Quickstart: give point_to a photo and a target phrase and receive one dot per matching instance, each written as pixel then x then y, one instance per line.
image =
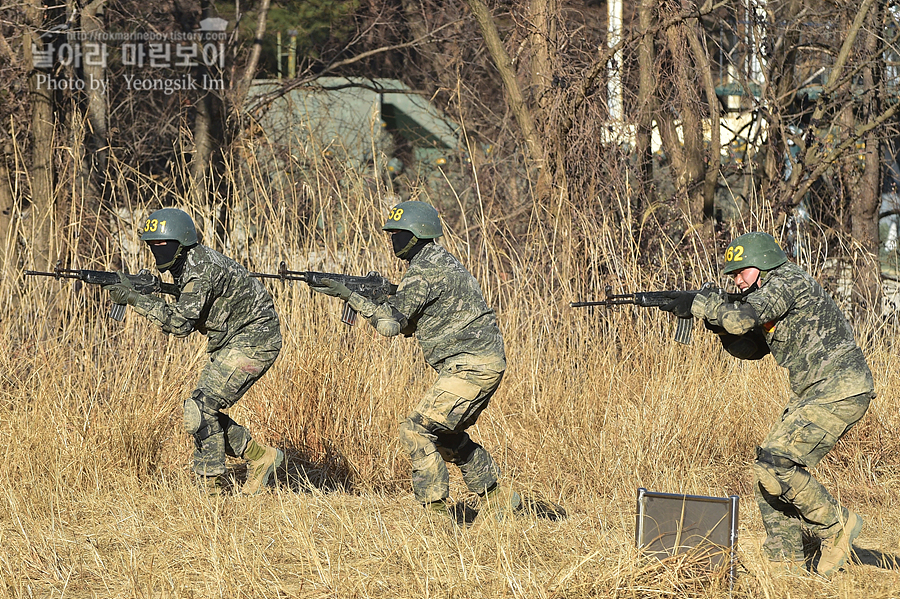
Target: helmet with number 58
pixel 418 218
pixel 757 250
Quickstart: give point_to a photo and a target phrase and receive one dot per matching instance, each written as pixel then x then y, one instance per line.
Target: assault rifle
pixel 143 282
pixel 373 285
pixel 655 299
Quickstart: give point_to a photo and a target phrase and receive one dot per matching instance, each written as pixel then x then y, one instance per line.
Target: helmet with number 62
pixel 418 218
pixel 757 250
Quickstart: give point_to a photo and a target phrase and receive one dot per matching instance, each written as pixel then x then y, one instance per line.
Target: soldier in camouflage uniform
pixel 222 301
pixel 831 389
pixel 440 302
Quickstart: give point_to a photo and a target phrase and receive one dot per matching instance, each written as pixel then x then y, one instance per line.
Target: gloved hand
pixel 332 288
pixel 122 292
pixel 706 304
pixel 680 304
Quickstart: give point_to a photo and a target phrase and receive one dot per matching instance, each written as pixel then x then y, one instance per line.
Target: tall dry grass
pixel 96 497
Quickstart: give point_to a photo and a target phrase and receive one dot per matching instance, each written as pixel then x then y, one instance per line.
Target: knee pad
pixel 415 440
pixel 200 420
pixel 767 479
pixel 774 472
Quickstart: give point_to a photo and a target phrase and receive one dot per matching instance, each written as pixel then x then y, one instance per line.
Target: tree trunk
pixel 94 165
pixel 865 205
pixel 533 146
pixel 646 100
pixel 705 198
pixel 43 247
pixel 8 213
pixel 253 62
pixel 690 169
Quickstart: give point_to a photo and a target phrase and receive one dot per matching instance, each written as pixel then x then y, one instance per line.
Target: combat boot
pixel 790 567
pixel 440 516
pixel 212 487
pixel 501 503
pixel 262 463
pixel 836 550
pixel 439 508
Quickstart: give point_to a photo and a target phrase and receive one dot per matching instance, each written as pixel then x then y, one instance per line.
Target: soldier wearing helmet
pixel 831 388
pixel 441 303
pixel 221 300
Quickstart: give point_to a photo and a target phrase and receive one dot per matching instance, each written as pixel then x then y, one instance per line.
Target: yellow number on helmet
pixel 396 214
pixel 729 254
pixel 738 253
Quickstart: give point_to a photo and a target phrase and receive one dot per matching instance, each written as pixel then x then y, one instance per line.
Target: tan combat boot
pixel 262 463
pixel 836 550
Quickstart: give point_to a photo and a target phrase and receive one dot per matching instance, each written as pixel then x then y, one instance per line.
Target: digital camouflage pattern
pixel 440 302
pixel 806 332
pixel 225 379
pixel 831 389
pixel 221 300
pixel 434 432
pixel 805 435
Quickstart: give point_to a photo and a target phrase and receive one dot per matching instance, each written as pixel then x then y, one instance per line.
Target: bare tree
pixel 43 192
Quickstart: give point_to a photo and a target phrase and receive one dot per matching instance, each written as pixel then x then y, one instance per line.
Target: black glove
pixel 680 304
pixel 749 346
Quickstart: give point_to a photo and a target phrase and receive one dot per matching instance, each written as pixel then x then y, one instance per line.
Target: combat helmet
pixel 757 250
pixel 170 224
pixel 418 218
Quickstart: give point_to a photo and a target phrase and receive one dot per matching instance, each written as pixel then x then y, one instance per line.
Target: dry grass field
pixel 97 500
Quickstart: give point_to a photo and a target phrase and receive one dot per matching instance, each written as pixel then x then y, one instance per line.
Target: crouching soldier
pixel 440 302
pixel 786 309
pixel 222 301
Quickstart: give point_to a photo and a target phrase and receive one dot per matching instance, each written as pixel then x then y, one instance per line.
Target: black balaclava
pixel 406 245
pixel 169 256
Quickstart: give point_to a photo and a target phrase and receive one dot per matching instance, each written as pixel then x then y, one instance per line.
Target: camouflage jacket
pixel 441 302
pixel 806 332
pixel 220 300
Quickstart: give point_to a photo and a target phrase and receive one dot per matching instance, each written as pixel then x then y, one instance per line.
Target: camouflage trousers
pixel 434 433
pixel 227 376
pixel 788 496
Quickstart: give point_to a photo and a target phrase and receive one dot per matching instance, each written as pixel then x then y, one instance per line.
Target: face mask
pixel 402 242
pixel 166 254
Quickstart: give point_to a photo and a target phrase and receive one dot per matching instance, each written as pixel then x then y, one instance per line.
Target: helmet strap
pixel 166 254
pixel 403 241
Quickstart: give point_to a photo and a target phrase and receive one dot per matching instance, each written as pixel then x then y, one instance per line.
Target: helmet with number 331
pixel 170 224
pixel 757 250
pixel 418 218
